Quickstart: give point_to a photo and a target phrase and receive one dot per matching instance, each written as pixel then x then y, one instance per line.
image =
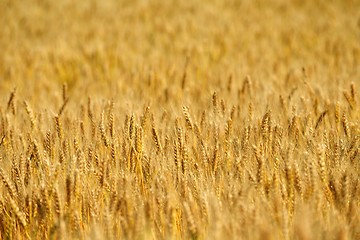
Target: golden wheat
pixel 165 120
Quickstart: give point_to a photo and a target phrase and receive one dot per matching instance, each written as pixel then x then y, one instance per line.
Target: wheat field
pixel 151 119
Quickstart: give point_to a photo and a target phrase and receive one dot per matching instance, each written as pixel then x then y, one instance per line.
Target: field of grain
pixel 153 119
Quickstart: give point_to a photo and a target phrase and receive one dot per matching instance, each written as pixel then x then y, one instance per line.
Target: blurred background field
pixel 120 43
